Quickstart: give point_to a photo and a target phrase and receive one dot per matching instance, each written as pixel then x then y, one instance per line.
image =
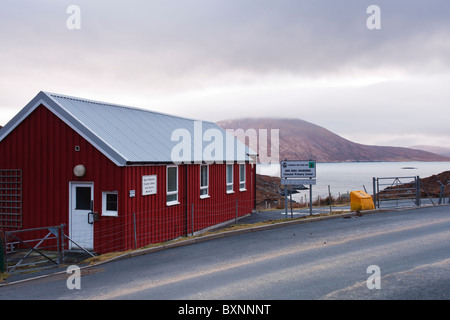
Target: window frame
pixel 109 213
pixel 242 183
pixel 206 187
pixel 229 184
pixel 175 192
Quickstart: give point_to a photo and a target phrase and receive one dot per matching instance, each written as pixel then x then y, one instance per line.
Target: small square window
pixel 110 203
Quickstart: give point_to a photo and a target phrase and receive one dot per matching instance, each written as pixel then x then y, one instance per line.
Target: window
pixel 230 178
pixel 110 203
pixel 83 198
pixel 172 185
pixel 204 181
pixel 242 177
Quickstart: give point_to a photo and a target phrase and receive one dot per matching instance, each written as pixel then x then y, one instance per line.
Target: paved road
pixel 321 260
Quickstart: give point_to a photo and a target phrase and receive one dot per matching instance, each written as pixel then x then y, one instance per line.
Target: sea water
pixel 344 177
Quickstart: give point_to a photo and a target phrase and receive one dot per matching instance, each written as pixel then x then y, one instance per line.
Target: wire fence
pixel 140 228
pixel 131 230
pixel 386 192
pixel 136 229
pixel 164 224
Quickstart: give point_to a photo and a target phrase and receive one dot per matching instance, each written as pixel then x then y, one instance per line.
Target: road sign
pixel 298 169
pixel 295 182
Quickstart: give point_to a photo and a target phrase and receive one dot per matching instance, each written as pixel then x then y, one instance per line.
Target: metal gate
pixel 33 254
pixel 396 191
pixel 28 249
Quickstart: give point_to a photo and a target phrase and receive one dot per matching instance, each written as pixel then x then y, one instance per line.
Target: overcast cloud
pixel 218 59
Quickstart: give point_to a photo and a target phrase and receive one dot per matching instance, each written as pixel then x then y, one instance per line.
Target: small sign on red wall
pixel 148 185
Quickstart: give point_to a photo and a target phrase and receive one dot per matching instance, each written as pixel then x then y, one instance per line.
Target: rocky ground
pixel 268 191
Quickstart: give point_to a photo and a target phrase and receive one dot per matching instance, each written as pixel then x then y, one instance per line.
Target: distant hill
pixel 302 140
pixel 434 149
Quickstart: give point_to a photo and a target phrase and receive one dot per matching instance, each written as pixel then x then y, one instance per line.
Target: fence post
pixel 58 248
pixel 374 194
pixel 290 199
pixel 192 218
pixel 2 252
pixel 329 196
pixel 286 201
pixel 441 193
pixel 378 193
pixel 134 225
pixel 61 240
pixel 418 191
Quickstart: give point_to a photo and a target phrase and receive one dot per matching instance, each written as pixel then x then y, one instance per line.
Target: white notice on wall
pixel 148 185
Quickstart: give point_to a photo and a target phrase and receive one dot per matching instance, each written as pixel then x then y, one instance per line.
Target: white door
pixel 81 229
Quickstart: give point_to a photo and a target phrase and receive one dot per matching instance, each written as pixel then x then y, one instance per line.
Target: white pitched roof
pixel 128 135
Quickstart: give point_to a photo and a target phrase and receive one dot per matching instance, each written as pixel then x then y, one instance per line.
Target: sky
pixel 317 60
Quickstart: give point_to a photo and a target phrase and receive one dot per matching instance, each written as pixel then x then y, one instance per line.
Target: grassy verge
pixel 3 277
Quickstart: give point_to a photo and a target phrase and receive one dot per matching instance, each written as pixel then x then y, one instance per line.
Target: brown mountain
pixel 302 140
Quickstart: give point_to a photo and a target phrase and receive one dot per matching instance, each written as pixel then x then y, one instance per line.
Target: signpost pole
pixel 329 196
pixel 292 213
pixel 286 201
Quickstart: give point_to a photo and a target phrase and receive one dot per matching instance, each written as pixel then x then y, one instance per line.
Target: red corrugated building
pixel 119 177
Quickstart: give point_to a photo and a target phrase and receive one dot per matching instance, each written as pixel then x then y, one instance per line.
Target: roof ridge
pixel 57 95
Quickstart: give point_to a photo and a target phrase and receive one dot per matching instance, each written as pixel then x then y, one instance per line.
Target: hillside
pixel 268 190
pixel 303 140
pixel 434 149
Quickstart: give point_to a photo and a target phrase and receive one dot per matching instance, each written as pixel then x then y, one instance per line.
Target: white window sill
pixel 242 190
pixel 110 214
pixel 230 191
pixel 205 196
pixel 173 203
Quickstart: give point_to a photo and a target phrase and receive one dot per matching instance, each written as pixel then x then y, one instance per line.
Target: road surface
pixel 389 255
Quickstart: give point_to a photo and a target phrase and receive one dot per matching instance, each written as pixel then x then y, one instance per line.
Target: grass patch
pixel 3 277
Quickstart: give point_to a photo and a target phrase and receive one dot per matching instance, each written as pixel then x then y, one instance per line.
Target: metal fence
pixel 407 191
pixel 396 191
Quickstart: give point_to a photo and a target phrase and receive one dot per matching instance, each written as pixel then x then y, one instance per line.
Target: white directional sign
pixel 295 182
pixel 298 169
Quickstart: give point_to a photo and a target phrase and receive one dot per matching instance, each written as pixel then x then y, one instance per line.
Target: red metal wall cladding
pixel 43 146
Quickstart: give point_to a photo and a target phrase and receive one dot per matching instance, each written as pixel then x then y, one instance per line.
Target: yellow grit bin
pixel 360 200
